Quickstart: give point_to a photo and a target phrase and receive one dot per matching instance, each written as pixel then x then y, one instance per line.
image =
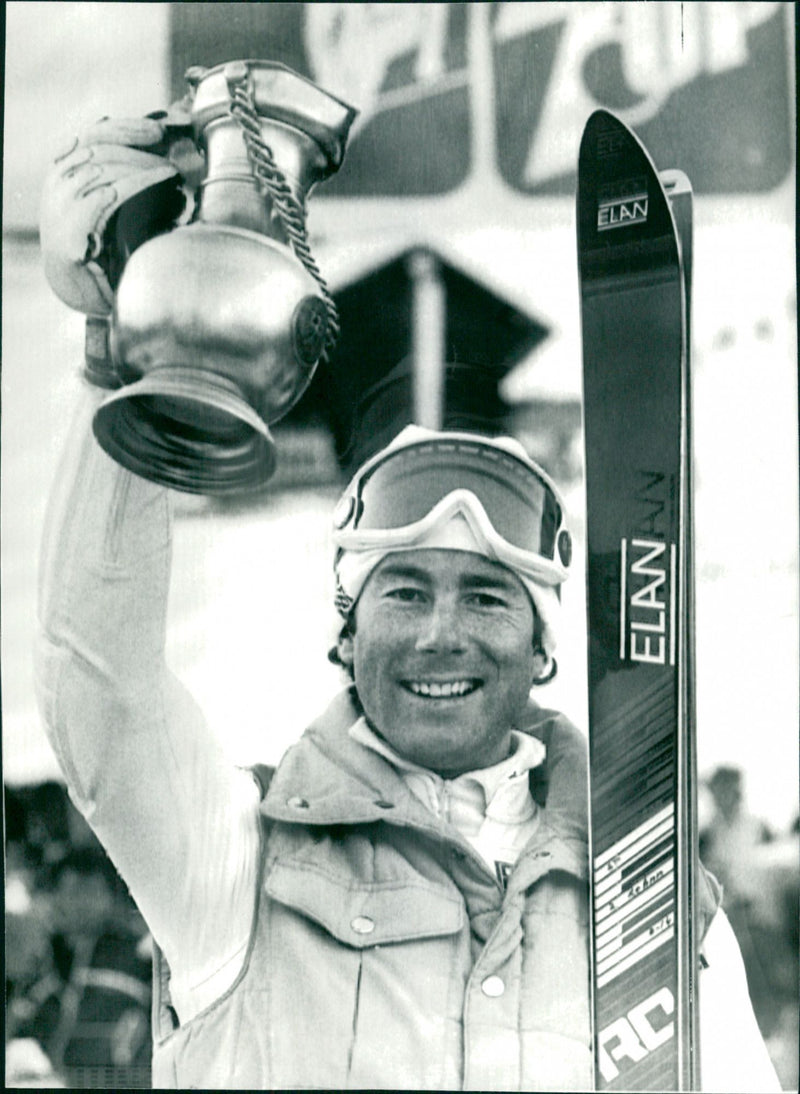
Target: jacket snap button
pixel 362 924
pixel 297 803
pixel 493 986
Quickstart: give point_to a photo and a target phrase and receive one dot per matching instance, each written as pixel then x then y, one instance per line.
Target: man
pixel 404 902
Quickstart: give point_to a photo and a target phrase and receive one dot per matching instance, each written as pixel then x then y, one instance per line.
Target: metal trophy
pixel 218 325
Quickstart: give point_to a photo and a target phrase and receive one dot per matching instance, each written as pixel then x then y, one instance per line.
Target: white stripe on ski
pixel 673 624
pixel 615 885
pixel 609 872
pixel 612 971
pixel 623 595
pixel 632 905
pixel 621 845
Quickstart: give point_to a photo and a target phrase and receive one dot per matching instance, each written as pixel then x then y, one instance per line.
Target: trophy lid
pixel 280 94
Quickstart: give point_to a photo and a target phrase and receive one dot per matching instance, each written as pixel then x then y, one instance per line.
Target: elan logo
pixel 620 213
pixel 647 604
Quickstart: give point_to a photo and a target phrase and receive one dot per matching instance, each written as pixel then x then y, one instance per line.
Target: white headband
pixel 354 567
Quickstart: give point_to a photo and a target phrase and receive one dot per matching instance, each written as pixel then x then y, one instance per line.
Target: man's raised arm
pixel 178 820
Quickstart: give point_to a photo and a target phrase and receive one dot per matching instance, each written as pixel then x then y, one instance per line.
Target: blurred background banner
pixel 452 96
pixel 501 89
pixel 448 242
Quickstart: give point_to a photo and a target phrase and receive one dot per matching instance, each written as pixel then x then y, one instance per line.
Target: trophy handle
pixel 290 210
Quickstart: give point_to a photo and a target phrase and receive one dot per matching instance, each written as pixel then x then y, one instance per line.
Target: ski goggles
pixel 511 505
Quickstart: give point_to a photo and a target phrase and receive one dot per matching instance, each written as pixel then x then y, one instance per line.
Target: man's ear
pixel 544 667
pixel 344 647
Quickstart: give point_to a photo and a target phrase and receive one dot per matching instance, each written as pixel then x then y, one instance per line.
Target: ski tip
pixel 599 123
pixel 604 133
pixel 621 198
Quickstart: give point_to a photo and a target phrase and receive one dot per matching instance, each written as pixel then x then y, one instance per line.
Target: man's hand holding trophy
pixel 207 329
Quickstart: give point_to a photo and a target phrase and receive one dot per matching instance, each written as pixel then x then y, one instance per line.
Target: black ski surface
pixel 634 313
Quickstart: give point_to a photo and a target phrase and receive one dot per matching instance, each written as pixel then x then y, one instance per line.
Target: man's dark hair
pixel 348 629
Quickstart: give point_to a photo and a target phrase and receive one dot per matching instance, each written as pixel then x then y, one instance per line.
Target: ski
pixel 679 192
pixel 634 257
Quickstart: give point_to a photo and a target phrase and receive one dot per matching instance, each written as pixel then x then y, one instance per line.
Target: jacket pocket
pixel 365 913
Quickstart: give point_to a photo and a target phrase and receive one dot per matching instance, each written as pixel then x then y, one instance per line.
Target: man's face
pixel 443 657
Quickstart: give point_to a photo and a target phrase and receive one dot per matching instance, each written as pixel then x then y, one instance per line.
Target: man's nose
pixel 443 627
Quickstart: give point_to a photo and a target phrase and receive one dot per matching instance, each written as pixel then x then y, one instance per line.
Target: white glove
pixel 106 166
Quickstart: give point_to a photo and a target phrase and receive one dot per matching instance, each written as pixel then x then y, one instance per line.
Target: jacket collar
pixel 327 778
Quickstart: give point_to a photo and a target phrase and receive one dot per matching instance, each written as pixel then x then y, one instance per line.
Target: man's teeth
pixel 449 690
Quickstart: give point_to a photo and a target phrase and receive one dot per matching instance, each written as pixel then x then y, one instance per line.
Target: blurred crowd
pixel 78 956
pixel 78 953
pixel 760 873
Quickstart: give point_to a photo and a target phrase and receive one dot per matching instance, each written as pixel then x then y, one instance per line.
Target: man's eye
pixel 406 593
pixel 486 600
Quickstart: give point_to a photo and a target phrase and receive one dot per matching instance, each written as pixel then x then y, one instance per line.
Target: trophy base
pixel 187 429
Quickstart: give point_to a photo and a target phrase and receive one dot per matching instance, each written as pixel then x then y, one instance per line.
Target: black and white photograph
pixel 400 546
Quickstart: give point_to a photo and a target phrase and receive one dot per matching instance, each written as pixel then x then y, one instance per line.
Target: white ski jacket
pixel 186 831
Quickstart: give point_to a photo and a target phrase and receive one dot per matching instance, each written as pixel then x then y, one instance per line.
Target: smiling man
pixel 444 657
pixel 403 903
pixel 393 907
pixel 453 547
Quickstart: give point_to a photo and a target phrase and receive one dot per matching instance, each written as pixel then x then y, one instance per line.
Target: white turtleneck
pixel 492 808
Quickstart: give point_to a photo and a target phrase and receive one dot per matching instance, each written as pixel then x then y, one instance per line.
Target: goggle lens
pixel 409 482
